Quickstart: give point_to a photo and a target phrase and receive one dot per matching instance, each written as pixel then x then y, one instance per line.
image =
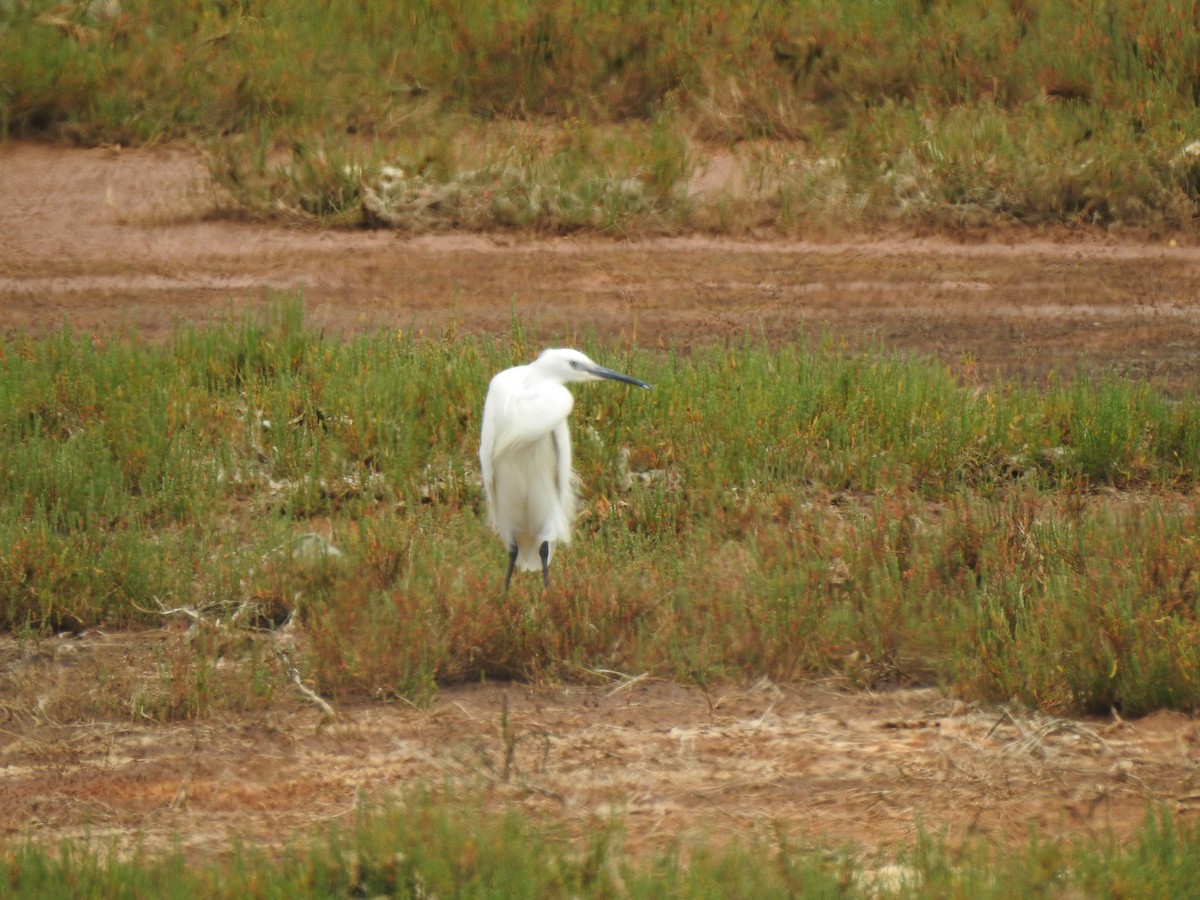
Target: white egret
pixel 525 455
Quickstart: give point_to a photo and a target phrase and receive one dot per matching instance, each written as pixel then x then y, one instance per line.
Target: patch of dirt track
pixel 821 764
pixel 117 241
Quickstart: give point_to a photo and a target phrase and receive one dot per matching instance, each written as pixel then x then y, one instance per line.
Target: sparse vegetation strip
pixel 444 847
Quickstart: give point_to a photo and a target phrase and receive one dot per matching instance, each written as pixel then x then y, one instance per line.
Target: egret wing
pixel 566 478
pixel 526 414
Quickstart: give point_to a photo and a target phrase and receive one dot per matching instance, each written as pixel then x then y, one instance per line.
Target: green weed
pixel 567 116
pixel 776 512
pixel 428 844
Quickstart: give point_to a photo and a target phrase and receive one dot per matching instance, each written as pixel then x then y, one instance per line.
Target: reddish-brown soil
pixel 821 763
pixel 118 241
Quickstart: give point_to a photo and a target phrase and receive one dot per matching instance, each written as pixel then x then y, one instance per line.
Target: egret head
pixel 566 365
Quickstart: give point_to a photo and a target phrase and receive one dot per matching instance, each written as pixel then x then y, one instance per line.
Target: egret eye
pixel 574 364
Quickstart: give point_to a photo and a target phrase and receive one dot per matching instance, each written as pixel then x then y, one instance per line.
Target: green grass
pixel 764 511
pixel 564 116
pixel 447 847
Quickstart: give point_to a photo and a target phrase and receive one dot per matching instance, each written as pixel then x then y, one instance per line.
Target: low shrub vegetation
pixel 765 511
pixel 564 116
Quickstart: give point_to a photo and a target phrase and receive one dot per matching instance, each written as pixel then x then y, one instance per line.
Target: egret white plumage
pixel 525 455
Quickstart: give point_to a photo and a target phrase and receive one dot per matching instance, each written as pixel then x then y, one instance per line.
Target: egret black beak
pixel 617 376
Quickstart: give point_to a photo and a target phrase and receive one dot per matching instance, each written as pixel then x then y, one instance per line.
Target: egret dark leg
pixel 544 553
pixel 512 562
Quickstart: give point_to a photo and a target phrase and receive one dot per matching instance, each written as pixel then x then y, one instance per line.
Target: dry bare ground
pixel 816 761
pixel 116 241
